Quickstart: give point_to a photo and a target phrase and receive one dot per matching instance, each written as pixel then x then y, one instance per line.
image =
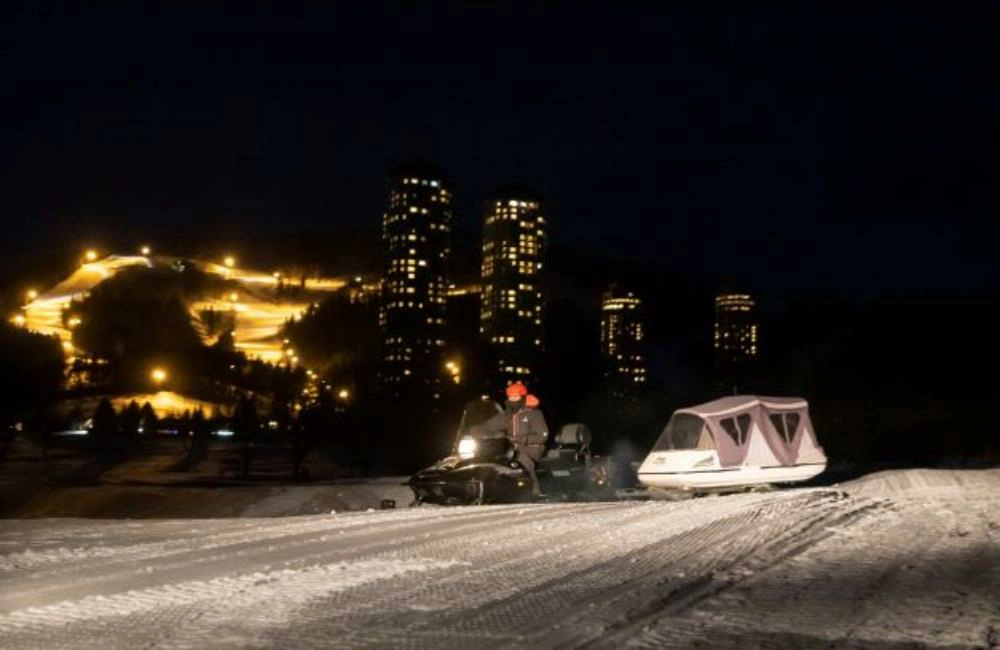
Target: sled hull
pixel 724 477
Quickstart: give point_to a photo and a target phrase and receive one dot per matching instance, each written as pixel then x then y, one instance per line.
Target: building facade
pixel 416 234
pixel 512 305
pixel 735 339
pixel 623 343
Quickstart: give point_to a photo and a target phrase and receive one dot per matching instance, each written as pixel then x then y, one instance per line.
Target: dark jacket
pixel 525 425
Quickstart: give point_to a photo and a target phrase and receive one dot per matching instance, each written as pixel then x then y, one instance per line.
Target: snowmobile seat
pixel 572 442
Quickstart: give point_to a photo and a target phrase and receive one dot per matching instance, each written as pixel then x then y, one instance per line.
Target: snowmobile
pixel 481 468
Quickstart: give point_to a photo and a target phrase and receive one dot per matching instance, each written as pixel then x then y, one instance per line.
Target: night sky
pixel 847 151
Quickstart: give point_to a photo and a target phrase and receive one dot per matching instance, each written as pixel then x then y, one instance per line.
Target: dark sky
pixel 852 151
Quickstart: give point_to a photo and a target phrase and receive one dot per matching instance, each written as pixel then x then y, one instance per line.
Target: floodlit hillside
pixel 258 309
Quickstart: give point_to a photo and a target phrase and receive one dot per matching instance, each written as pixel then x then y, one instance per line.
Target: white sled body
pixel 694 470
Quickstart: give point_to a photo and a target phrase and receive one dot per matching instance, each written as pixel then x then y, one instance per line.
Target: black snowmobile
pixel 481 468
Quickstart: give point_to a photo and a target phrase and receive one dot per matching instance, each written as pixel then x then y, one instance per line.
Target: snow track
pixel 904 559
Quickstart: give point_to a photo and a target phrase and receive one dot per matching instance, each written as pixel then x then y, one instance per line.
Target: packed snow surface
pixel 897 559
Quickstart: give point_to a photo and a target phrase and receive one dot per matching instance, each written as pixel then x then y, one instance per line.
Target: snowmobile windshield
pixel 682 432
pixel 476 414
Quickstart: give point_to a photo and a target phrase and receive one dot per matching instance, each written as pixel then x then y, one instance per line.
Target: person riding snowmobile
pixel 525 425
pixel 534 432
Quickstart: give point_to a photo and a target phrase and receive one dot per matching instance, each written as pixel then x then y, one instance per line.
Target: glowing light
pixel 233 297
pixel 467 447
pixel 31 294
pixel 277 275
pixel 344 394
pixel 74 321
pixel 90 255
pixel 18 320
pixel 158 375
pixel 67 346
pixel 145 250
pixel 229 261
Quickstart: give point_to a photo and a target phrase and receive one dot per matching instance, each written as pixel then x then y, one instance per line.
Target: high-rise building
pixel 416 232
pixel 622 343
pixel 735 337
pixel 512 304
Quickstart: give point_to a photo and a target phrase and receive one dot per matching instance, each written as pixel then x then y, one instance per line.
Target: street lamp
pixel 455 370
pixel 90 255
pixel 158 375
pixel 146 250
pixel 344 394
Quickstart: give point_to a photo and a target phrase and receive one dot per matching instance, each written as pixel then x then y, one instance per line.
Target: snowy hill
pixel 899 559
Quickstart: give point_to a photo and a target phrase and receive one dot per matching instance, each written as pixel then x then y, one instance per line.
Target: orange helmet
pixel 531 401
pixel 516 391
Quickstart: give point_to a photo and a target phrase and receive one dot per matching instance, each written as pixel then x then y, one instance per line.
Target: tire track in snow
pixel 220 600
pixel 131 569
pixel 796 567
pixel 173 615
pixel 700 565
pixel 500 577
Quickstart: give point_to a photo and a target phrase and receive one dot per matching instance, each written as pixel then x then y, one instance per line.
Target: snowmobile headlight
pixel 467 447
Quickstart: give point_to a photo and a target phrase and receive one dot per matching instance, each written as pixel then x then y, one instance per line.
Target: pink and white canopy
pixel 760 431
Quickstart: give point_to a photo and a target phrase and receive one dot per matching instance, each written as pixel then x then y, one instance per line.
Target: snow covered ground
pixel 896 559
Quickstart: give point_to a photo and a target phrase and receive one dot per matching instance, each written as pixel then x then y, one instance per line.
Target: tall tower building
pixel 512 303
pixel 622 343
pixel 735 338
pixel 416 232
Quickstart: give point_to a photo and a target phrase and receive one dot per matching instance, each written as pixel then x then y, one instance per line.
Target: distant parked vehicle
pixel 733 442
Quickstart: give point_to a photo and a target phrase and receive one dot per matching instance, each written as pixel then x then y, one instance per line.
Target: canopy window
pixel 682 432
pixel 738 427
pixel 786 424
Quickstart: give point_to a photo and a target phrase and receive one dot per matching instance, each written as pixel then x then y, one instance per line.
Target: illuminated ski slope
pixel 259 314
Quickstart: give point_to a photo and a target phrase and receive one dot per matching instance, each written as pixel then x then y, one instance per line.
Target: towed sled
pixel 733 443
pixel 482 469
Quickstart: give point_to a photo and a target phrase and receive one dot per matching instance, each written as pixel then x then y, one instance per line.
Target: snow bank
pixel 922 482
pixel 186 502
